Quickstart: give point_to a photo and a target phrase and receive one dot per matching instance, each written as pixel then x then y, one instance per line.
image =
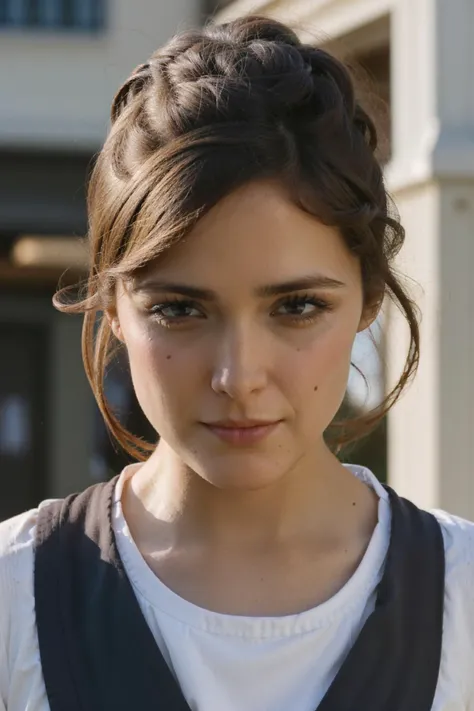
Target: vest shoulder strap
pixel 98 653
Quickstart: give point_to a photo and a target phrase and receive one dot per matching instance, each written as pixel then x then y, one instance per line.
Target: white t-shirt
pixel 234 663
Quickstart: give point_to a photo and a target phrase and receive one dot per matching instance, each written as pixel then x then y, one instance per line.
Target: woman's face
pixel 240 339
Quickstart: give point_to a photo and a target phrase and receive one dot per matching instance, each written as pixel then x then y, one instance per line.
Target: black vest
pixel 98 653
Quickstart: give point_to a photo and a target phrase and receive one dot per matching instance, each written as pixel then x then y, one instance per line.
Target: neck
pixel 318 498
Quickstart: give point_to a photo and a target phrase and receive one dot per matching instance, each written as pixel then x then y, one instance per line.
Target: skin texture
pixel 277 525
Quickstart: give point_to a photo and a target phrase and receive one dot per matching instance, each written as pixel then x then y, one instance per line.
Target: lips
pixel 243 432
pixel 241 424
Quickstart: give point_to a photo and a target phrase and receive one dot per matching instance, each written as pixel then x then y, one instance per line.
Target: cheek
pixel 333 353
pixel 323 370
pixel 151 363
pixel 163 375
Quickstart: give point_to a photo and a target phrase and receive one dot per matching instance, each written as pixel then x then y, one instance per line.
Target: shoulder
pixel 458 536
pixel 17 551
pixel 17 610
pixel 457 659
pixel 17 536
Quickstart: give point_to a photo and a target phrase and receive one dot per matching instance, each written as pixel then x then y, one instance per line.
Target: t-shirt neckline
pixel 155 593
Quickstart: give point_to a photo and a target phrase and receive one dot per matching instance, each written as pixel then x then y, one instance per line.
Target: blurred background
pixel 61 62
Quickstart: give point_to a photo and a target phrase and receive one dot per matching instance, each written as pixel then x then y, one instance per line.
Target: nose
pixel 241 367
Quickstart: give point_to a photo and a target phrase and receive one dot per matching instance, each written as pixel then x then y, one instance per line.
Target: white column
pixel 431 431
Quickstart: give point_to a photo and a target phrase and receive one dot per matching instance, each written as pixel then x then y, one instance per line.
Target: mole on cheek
pixel 315 388
pixel 168 357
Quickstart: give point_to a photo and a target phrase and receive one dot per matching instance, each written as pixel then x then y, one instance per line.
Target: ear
pixel 112 317
pixel 369 315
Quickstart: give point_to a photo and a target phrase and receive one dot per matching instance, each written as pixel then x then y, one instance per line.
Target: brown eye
pixel 301 307
pixel 175 311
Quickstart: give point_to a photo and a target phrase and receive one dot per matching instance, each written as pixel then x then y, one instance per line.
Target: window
pixel 75 15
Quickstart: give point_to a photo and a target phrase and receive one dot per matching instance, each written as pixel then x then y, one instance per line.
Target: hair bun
pixel 253 69
pixel 247 71
pixel 215 81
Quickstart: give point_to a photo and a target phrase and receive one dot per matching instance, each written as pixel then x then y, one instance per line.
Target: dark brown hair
pixel 214 109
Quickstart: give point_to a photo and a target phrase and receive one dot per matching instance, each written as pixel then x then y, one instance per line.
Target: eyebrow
pixel 312 281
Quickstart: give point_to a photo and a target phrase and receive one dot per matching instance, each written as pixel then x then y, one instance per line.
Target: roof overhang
pixel 364 23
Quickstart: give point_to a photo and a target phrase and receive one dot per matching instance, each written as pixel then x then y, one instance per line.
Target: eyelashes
pixel 176 308
pixel 299 304
pixel 297 309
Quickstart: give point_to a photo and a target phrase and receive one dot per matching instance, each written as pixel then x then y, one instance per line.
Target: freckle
pixel 168 357
pixel 315 388
pixel 353 503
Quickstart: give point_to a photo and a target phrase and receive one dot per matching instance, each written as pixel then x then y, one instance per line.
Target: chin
pixel 245 473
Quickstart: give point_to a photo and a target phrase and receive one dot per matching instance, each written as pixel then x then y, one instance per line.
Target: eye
pixel 175 311
pixel 301 308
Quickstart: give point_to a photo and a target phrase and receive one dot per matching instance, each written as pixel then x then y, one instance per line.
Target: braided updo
pixel 214 109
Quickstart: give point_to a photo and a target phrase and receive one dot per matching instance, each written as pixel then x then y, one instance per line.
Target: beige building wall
pixel 56 87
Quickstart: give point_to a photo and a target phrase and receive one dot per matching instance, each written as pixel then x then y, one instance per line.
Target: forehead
pixel 257 235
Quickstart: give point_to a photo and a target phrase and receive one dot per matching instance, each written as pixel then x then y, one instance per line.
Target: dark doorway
pixel 23 416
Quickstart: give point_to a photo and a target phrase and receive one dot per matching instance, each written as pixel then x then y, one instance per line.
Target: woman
pixel 240 239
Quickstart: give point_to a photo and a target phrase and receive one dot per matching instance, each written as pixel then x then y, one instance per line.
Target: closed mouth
pixel 241 424
pixel 244 433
